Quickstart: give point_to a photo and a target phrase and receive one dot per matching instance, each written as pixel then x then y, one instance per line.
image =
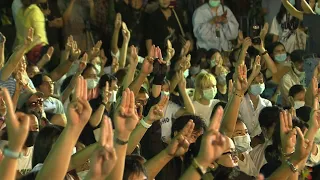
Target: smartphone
pixel 255 34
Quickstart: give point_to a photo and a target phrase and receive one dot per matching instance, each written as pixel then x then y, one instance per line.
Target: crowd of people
pixel 160 89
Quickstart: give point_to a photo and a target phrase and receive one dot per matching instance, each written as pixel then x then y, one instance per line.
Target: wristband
pixel 8 153
pixel 264 53
pixel 287 154
pixel 292 167
pixel 103 103
pixel 145 124
pixel 198 167
pixel 120 142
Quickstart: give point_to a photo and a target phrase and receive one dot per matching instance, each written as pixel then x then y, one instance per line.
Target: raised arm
pixel 233 106
pixel 57 162
pixel 307 8
pixel 292 10
pixel 16 57
pixel 18 128
pixel 115 36
pixel 188 105
pixel 178 146
pixel 125 121
pixel 133 62
pixel 2 47
pixel 126 38
pixel 45 58
pixel 66 15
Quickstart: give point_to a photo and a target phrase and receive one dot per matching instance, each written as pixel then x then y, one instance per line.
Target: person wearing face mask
pixel 196 66
pixel 297 95
pixel 204 94
pixel 242 142
pixel 90 74
pixel 214 25
pixel 296 75
pixel 25 161
pixel 252 104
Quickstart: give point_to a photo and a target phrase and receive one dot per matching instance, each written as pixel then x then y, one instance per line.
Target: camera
pixel 255 35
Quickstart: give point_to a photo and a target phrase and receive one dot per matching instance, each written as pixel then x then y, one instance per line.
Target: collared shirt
pixel 250 116
pixel 287 81
pixel 206 33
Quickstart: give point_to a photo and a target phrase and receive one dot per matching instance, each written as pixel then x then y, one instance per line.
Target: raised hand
pixel 96 50
pixel 17 124
pixel 29 39
pixel 302 149
pixel 68 46
pixel 179 145
pixel 240 38
pixel 182 84
pixel 75 51
pixel 48 55
pixel 126 117
pixel 246 43
pixel 125 32
pixel 133 60
pixel 287 132
pixel 114 65
pixel 106 93
pixel 212 143
pixel 3 108
pixel 256 67
pixel 170 52
pixel 264 31
pixel 147 65
pixel 185 49
pixel 83 63
pixel 2 39
pixel 79 110
pixel 156 111
pixel 103 58
pixel 118 21
pixel 241 84
pixel 104 158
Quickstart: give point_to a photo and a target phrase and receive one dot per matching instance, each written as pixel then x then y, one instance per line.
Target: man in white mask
pixel 297 95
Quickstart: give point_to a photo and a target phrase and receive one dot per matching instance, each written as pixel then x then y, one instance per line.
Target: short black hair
pixel 88 66
pixel 269 116
pixel 104 78
pixel 297 56
pixel 133 166
pixel 303 113
pixel 272 46
pixel 37 80
pixel 181 121
pixel 211 52
pixel 295 89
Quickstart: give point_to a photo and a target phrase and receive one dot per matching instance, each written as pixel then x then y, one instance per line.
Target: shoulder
pixel 203 7
pixel 266 102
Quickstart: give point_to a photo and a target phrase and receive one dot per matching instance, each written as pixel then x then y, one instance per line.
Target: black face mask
pixel 223 172
pixel 31 139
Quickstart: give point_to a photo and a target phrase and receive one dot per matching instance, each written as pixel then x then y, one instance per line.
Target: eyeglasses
pixel 232 153
pixel 38 102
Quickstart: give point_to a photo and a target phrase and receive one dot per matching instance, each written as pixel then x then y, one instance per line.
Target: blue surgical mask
pixel 281 57
pixel 317 9
pixel 186 73
pixel 257 89
pixel 214 3
pixel 293 2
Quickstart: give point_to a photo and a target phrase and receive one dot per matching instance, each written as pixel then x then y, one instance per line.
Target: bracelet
pixel 198 167
pixel 145 124
pixel 11 154
pixel 120 142
pixel 264 53
pixel 238 94
pixel 103 103
pixel 287 154
pixel 292 167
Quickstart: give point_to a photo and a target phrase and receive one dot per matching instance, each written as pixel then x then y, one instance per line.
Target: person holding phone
pixel 214 26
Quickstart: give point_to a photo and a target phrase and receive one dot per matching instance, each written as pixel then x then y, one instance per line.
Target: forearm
pixel 67 92
pixel 292 10
pixel 67 13
pixel 306 7
pixel 231 115
pixel 15 98
pixel 64 56
pixel 43 61
pixel 283 172
pixel 12 63
pixel 8 168
pixel 187 102
pixel 61 70
pixel 57 162
pixel 135 137
pixel 96 117
pixel 155 164
pixel 81 157
pixel 270 63
pixel 114 41
pixel 242 56
pixel 129 76
pixel 117 172
pixel 137 83
pixel 173 84
pixel 156 90
pixel 2 55
pixel 123 54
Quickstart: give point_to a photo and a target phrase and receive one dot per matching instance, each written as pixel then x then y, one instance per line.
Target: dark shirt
pixel 136 21
pixel 158 29
pixel 54 34
pixel 222 97
pixel 312 21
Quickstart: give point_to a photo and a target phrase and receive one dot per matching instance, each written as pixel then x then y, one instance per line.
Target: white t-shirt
pixel 166 122
pixel 258 154
pixel 25 162
pixel 205 111
pixel 247 166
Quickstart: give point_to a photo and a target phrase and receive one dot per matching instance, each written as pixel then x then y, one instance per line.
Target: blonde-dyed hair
pixel 203 80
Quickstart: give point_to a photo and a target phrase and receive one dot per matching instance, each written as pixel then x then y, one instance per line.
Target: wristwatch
pixel 198 167
pixel 8 153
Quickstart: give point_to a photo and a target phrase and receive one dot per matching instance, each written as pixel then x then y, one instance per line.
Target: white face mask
pixel 165 93
pixel 209 94
pixel 113 97
pixel 298 104
pixel 317 9
pixel 92 83
pixel 98 68
pixel 257 89
pixel 242 143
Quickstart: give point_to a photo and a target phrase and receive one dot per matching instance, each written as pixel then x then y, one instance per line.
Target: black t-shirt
pixel 312 22
pixel 222 97
pixel 54 34
pixel 158 29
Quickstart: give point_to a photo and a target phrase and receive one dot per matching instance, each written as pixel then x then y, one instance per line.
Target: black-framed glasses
pixel 35 103
pixel 232 153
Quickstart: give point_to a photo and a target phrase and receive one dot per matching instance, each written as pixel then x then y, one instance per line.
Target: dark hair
pixel 46 138
pixel 211 52
pixel 104 78
pixel 198 55
pixel 221 103
pixel 272 46
pixel 37 80
pixel 297 55
pixel 232 56
pixel 269 116
pixel 295 89
pixel 181 121
pixel 120 74
pixel 292 24
pixel 303 113
pixel 27 3
pixel 133 166
pixel 65 83
pixel 89 65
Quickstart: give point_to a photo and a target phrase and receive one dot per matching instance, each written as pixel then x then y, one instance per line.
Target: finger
pixel 132 100
pixel 169 44
pixel 190 130
pixel 10 110
pixel 282 122
pixel 85 58
pixel 50 51
pixel 125 99
pixel 110 132
pixel 300 138
pixel 258 58
pixel 186 128
pixel 216 119
pixel 316 103
pixel 289 117
pixel 98 45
